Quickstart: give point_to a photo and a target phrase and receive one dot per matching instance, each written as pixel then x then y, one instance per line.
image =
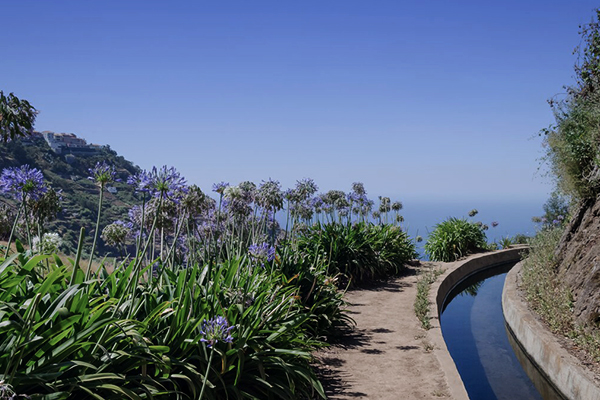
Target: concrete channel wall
pixel 453 274
pixel 566 372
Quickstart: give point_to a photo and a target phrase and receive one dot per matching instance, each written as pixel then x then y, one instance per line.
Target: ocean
pixel 513 217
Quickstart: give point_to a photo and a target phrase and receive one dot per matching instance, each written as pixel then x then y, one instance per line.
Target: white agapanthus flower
pixel 49 244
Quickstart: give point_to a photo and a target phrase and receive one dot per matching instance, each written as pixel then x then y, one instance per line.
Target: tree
pixel 16 117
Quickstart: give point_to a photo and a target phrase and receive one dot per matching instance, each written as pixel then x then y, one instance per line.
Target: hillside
pixel 79 194
pixel 564 279
pixel 578 259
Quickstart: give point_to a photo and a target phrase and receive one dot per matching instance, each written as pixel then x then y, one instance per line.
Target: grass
pixel 550 298
pixel 422 299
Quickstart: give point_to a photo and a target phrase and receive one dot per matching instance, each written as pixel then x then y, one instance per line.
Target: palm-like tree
pixel 16 117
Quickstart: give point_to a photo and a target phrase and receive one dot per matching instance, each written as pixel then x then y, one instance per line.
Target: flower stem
pixel 89 268
pixel 12 232
pixel 212 351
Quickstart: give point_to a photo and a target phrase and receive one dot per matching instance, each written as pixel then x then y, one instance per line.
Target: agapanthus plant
pixel 261 253
pixel 48 244
pixel 45 208
pixel 117 233
pixel 102 174
pixel 220 187
pixel 164 212
pixel 214 330
pixel 22 183
pixel 167 182
pixel 269 195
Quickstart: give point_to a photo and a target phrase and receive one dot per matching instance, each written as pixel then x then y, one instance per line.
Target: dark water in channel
pixel 473 326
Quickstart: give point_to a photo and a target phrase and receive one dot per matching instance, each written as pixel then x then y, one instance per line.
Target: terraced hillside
pixel 79 194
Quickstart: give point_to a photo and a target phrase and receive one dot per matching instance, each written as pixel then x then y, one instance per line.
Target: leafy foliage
pixel 16 117
pixel 361 251
pixel 572 143
pixel 63 337
pixel 454 238
pixel 212 301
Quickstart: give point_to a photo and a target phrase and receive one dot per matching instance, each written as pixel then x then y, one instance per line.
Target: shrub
pixel 520 238
pixel 572 143
pixel 360 251
pixel 454 238
pixel 317 291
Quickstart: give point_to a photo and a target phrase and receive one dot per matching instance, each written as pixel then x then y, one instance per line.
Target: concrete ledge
pixel 565 371
pixel 453 274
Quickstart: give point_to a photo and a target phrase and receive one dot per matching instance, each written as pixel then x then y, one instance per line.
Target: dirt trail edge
pixel 387 355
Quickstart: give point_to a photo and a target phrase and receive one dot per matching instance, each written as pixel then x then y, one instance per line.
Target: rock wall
pixel 578 256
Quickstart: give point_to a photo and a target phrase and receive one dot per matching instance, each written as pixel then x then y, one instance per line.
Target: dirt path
pixel 387 355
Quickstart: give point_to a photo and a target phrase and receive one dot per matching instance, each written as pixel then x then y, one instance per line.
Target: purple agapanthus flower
pixel 141 181
pixel 354 197
pixel 316 203
pixel 167 181
pixel 359 188
pixel 103 173
pixel 306 187
pixel 215 330
pixel 164 181
pixel 261 253
pixel 220 187
pixel 269 195
pixel 22 182
pixel 397 206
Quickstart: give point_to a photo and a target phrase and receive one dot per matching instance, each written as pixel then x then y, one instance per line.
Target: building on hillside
pixel 69 143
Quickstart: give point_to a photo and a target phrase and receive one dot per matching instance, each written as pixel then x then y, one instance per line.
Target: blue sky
pixel 420 100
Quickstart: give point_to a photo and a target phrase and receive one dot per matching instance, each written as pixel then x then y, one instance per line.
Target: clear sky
pixel 417 99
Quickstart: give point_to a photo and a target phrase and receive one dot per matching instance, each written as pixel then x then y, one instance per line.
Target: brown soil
pixel 387 355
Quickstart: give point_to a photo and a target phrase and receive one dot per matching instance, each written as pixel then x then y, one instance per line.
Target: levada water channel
pixel 479 342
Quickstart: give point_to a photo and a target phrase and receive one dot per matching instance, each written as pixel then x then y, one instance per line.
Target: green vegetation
pixel 544 291
pixel 455 238
pixel 360 251
pixel 16 117
pixel 212 299
pixel 572 143
pixel 573 153
pixel 549 297
pixel 424 283
pixel 79 196
pixel 65 337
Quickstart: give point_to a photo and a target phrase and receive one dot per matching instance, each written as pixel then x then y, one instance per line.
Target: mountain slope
pixel 79 195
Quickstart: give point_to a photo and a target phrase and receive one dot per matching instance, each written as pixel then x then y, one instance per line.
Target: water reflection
pixel 474 330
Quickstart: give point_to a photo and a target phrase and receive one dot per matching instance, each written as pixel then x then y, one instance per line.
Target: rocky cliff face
pixel 578 255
